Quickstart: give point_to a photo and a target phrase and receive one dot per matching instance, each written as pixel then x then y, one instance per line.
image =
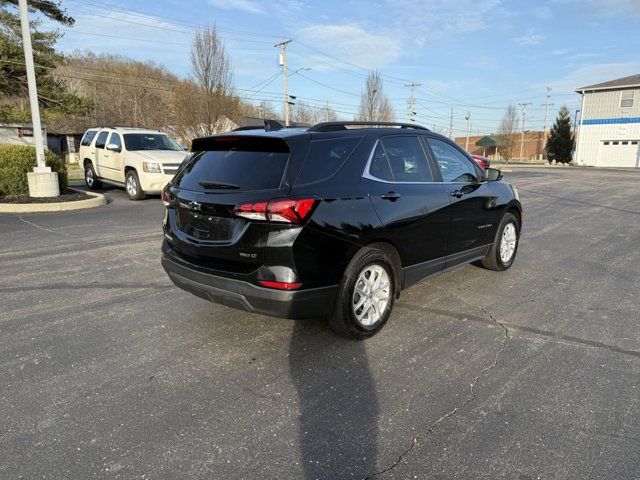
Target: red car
pixel 483 162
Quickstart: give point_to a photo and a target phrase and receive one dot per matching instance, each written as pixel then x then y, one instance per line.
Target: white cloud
pixel 248 6
pixel 595 73
pixel 543 12
pixel 529 38
pixel 422 20
pixel 368 48
pixel 606 7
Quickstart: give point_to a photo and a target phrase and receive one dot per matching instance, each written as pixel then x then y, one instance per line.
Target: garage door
pixel 619 153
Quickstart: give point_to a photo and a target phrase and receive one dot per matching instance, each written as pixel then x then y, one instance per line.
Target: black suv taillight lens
pixel 283 210
pixel 166 198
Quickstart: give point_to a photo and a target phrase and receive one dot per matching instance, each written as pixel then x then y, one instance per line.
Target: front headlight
pixel 151 167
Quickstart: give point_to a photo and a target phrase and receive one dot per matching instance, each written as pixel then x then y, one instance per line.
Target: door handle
pixel 393 196
pixel 457 193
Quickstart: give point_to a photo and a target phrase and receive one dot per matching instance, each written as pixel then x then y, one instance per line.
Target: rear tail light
pixel 280 285
pixel 284 210
pixel 166 198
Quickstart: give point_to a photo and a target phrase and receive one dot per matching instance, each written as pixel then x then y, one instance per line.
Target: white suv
pixel 143 161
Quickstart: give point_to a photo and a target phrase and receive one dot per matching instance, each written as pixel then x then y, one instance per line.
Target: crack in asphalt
pixel 472 394
pixel 43 228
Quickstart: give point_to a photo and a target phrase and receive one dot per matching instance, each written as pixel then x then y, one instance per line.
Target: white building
pixel 609 133
pixel 19 133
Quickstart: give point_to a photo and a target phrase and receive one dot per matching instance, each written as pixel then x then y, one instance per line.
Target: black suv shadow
pixel 337 401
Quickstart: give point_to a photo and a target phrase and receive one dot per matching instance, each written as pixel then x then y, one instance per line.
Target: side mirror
pixel 113 147
pixel 184 147
pixel 493 174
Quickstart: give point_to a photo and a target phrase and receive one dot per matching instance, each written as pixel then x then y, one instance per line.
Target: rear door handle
pixel 457 194
pixel 393 196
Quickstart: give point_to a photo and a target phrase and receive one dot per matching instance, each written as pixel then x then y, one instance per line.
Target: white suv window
pixel 115 140
pixel 102 139
pixel 88 138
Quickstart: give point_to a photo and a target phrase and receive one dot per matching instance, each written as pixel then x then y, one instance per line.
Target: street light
pixel 42 181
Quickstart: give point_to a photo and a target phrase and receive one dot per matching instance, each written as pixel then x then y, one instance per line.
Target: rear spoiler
pixel 247 143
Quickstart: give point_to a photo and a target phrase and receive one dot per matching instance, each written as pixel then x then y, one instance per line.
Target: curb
pixel 97 201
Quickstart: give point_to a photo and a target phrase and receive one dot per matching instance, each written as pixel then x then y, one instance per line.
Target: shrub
pixel 17 160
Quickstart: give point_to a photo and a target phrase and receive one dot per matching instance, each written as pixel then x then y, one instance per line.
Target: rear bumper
pixel 299 304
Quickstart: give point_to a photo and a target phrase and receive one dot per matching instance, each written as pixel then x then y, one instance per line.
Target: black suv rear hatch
pixel 232 171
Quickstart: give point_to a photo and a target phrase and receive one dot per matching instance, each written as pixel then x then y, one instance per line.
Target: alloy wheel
pixel 132 187
pixel 88 176
pixel 508 242
pixel 371 295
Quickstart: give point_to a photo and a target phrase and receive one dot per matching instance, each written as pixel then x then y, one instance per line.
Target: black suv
pixel 331 221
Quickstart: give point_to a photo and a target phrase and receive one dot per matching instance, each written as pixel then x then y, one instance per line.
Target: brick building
pixel 486 145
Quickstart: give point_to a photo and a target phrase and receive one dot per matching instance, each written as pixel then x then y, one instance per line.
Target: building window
pixel 626 99
pixel 606 143
pixel 625 143
pixel 634 143
pixel 616 143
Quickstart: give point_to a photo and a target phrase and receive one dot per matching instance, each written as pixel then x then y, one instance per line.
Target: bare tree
pixel 505 137
pixel 303 113
pixel 117 90
pixel 210 91
pixel 327 114
pixel 375 106
pixel 310 114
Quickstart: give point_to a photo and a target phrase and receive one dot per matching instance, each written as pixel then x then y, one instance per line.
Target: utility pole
pixel 42 181
pixel 468 119
pixel 524 113
pixel 411 115
pixel 283 61
pixel 451 124
pixel 546 112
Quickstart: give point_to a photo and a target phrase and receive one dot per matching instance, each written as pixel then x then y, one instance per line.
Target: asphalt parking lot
pixel 108 371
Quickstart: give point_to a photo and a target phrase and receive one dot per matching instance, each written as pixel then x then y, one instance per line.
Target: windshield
pixel 149 141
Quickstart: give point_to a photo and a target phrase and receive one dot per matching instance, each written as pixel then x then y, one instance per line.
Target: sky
pixel 472 56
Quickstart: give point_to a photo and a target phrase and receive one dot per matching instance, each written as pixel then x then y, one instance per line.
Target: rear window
pixel 236 164
pixel 325 157
pixel 88 138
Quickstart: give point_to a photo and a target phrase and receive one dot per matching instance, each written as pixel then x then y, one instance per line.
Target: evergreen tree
pixel 561 143
pixel 53 97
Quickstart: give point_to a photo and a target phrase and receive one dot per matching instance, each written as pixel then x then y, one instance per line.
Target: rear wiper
pixel 215 185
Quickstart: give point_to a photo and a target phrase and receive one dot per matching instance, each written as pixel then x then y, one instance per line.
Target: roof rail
pixel 248 127
pixel 333 126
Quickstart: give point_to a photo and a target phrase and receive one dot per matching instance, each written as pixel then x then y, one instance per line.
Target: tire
pixel 132 186
pixel 494 259
pixel 90 177
pixel 359 323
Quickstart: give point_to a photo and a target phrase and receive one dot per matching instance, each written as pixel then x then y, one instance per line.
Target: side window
pixel 400 159
pixel 115 140
pixel 325 157
pixel 102 139
pixel 453 164
pixel 379 167
pixel 88 138
pixel 626 99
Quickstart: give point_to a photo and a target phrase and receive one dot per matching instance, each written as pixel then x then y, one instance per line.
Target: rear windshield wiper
pixel 220 185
